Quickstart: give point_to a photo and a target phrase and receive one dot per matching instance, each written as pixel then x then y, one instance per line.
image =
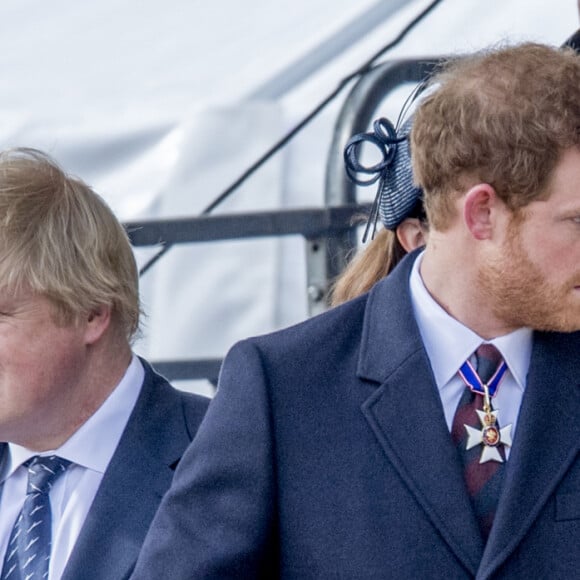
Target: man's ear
pixel 97 322
pixel 478 210
pixel 411 234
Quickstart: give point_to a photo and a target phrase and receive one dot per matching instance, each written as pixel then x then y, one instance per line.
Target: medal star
pixel 490 454
pixel 474 437
pixel 479 437
pixel 506 435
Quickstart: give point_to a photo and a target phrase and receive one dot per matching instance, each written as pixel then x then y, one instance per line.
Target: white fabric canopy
pixel 161 106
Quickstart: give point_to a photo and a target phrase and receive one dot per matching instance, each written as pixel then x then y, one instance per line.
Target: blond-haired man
pixel 74 399
pixel 427 429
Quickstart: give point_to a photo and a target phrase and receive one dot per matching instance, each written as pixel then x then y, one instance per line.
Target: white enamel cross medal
pixel 491 436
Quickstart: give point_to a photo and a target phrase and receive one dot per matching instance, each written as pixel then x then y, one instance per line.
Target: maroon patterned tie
pixel 484 480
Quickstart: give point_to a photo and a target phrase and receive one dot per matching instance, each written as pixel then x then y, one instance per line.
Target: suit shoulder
pixel 335 329
pixel 350 314
pixel 193 401
pixel 193 405
pixel 194 409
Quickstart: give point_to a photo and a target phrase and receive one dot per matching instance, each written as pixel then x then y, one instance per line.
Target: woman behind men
pixel 401 212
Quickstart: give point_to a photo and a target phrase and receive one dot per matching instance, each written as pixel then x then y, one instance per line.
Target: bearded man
pixel 429 428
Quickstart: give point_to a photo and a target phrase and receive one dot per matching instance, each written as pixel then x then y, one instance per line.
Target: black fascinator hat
pixel 397 196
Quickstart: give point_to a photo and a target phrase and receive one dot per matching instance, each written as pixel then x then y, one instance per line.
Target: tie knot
pixel 43 472
pixel 487 358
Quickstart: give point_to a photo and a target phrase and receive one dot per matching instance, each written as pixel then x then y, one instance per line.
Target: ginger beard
pixel 523 295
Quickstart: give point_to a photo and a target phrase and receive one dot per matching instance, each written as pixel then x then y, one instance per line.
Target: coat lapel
pixel 138 475
pixel 547 441
pixel 392 354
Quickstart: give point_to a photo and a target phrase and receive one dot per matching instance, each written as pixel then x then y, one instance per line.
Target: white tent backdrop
pixel 161 106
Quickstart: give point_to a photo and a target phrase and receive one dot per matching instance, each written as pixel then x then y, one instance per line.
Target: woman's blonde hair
pixel 368 266
pixel 59 239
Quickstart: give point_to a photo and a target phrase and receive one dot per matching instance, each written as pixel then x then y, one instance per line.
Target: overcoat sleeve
pixel 218 518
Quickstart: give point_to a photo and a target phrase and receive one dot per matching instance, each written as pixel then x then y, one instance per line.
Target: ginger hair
pixel 503 117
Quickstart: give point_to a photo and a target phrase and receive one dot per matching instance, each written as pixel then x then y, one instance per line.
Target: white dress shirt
pixel 449 344
pixel 90 450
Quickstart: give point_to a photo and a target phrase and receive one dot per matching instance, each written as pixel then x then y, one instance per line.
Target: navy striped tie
pixel 483 480
pixel 28 553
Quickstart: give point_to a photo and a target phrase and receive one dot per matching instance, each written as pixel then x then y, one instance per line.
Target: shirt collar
pixel 449 343
pixel 92 446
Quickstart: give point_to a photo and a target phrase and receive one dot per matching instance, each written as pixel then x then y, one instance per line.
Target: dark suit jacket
pixel 161 426
pixel 325 454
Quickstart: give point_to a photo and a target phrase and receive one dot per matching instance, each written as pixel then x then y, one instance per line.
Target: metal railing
pixel 312 223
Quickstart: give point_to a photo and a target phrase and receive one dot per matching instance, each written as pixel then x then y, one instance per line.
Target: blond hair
pixel 503 117
pixel 59 239
pixel 367 267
